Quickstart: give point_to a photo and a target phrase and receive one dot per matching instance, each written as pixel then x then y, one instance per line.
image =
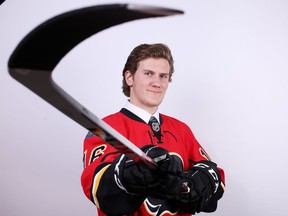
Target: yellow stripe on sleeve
pixel 95 186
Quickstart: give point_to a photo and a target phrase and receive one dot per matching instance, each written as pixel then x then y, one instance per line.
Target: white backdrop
pixel 230 86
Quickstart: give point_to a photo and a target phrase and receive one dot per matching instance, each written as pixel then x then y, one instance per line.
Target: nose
pixel 155 81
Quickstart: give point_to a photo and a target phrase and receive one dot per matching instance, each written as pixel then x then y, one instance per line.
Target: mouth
pixel 154 91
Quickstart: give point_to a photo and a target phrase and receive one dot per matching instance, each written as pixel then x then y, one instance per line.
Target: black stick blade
pixel 47 44
pixel 34 59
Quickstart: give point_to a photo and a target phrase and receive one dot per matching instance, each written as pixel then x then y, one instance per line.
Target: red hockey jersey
pixel 97 179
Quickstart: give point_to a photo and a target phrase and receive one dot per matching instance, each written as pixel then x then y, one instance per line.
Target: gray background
pixel 230 86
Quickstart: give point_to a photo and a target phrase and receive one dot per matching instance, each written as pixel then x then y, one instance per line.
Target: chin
pixel 155 103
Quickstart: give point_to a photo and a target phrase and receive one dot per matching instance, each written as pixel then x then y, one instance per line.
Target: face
pixel 149 83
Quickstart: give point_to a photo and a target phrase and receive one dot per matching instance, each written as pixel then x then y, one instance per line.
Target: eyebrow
pixel 151 71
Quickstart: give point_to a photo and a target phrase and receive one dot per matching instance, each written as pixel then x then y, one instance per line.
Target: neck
pixel 149 109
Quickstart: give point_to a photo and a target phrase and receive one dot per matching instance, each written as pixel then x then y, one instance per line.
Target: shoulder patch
pixel 89 134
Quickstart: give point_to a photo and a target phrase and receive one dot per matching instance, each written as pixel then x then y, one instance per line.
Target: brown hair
pixel 144 51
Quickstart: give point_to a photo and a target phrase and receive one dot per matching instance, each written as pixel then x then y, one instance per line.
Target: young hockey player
pixel 186 180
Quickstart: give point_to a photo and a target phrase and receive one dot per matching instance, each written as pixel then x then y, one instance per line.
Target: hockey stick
pixel 34 59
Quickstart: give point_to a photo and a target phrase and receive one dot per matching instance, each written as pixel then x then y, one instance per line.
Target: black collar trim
pixel 131 115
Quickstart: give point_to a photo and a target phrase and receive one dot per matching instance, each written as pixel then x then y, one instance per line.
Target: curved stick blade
pixel 48 43
pixel 34 59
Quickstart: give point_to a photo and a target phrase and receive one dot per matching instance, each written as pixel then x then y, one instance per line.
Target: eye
pixel 164 76
pixel 148 73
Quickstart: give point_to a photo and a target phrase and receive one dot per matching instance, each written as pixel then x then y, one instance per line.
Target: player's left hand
pixel 203 179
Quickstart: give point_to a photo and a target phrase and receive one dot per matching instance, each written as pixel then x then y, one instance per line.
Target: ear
pixel 128 78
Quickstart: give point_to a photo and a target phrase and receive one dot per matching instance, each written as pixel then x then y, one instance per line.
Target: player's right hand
pixel 138 179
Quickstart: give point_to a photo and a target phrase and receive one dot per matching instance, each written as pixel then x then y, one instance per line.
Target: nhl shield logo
pixel 155 126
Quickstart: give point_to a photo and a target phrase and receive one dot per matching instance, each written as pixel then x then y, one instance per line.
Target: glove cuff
pixel 117 174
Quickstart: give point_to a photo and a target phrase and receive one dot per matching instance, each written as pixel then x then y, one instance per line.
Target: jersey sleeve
pixel 97 178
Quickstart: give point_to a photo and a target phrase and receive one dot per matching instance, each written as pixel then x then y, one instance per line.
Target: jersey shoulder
pixel 174 121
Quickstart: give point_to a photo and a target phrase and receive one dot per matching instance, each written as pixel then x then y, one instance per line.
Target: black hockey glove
pixel 138 179
pixel 203 179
